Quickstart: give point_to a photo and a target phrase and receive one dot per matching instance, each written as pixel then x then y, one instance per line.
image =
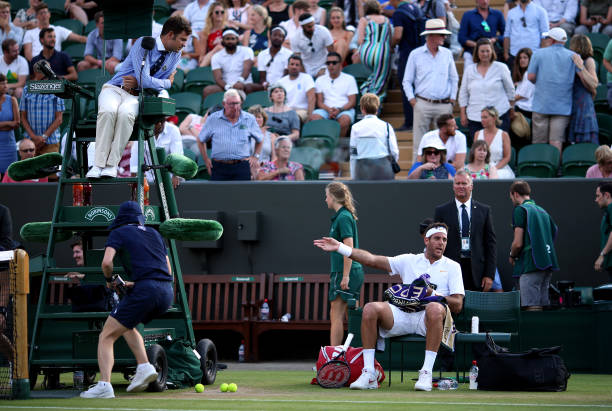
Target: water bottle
pixel 475 325
pixel 78 378
pixel 285 318
pixel 474 376
pixel 264 311
pixel 448 384
pixel 241 352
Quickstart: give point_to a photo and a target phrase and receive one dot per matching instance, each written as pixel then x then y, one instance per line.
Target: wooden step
pixel 393 96
pixel 393 108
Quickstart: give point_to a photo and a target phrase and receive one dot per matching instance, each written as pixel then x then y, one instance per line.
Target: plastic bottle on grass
pixel 241 352
pixel 474 376
pixel 264 311
pixel 448 384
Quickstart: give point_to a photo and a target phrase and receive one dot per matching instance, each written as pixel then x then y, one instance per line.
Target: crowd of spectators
pixel 524 79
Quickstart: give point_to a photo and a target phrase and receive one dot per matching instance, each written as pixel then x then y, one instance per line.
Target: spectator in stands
pixel 553 70
pixel 231 67
pixel 434 165
pixel 318 12
pixel 272 62
pixel 190 55
pixel 293 24
pixel 77 256
pixel 94 51
pixel 453 140
pixel 300 88
pixel 525 27
pixel 498 141
pixel 26 18
pixel 479 166
pixel 607 62
pixel 26 150
pixel 230 131
pixel 434 9
pixel 211 36
pixel 482 22
pixel 41 116
pixel 430 81
pixel 406 36
pixel 7 29
pixel 485 83
pixel 595 16
pixel 198 15
pixel 509 4
pixel 374 39
pixel 9 121
pixel 337 28
pixel 281 168
pixel 532 252
pixel 603 167
pixel 560 14
pixel 178 6
pixel 238 15
pixel 603 198
pixel 336 95
pixel 82 10
pixel 190 129
pixel 278 10
pixel 283 120
pixel 167 136
pixel 14 67
pixel 256 37
pixel 372 143
pixel 118 99
pixel 60 62
pixel 313 43
pixel 583 124
pixel 31 43
pixel 523 98
pixel 267 148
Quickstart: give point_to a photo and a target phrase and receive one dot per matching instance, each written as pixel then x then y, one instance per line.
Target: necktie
pixel 158 63
pixel 465 222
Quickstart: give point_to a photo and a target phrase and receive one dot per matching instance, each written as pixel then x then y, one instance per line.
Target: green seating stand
pixel 310 158
pixel 197 79
pixel 604 121
pixel 577 158
pixel 538 160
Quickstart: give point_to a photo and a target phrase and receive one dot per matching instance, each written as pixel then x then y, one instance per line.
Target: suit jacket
pixel 482 237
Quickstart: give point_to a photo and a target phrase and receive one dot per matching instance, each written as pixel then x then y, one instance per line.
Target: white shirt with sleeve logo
pixel 444 273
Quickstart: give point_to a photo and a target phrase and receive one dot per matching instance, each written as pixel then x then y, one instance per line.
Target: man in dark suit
pixel 471 238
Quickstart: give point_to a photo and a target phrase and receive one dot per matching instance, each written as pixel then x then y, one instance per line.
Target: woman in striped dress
pixel 374 39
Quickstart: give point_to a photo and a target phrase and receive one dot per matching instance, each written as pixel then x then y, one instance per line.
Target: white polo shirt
pixel 31 36
pixel 456 144
pixel 297 89
pixel 170 139
pixel 313 60
pixel 276 69
pixel 231 65
pixel 444 273
pixel 336 91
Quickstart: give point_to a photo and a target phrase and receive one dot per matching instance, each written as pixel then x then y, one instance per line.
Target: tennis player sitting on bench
pixel 383 320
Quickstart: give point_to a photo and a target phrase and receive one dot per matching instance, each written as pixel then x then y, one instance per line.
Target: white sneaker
pixel 424 382
pixel 94 172
pixel 142 378
pixel 366 381
pixel 109 172
pixel 99 391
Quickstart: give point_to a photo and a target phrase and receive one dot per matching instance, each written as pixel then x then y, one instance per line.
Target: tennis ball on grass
pixel 223 387
pixel 232 387
pixel 199 388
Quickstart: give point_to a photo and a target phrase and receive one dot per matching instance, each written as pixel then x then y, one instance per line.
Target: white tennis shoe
pixel 366 381
pixel 99 390
pixel 94 172
pixel 142 378
pixel 109 171
pixel 424 382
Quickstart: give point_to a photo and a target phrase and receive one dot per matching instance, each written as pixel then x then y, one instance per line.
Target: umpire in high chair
pixel 147 297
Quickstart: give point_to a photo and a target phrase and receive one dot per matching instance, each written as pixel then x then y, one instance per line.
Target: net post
pixel 21 382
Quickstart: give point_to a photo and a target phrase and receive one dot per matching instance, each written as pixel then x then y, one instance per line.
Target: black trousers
pixel 230 172
pixel 466 273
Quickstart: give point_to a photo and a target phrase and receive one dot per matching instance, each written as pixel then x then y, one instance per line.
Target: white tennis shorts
pixel 403 323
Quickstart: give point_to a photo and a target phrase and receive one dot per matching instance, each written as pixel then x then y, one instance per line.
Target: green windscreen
pixel 127 19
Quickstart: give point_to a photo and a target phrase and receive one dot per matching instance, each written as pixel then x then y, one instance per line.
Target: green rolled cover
pixel 182 166
pixel 191 229
pixel 35 167
pixel 38 232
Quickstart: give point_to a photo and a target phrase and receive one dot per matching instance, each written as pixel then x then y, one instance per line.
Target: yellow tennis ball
pixel 199 388
pixel 232 387
pixel 224 387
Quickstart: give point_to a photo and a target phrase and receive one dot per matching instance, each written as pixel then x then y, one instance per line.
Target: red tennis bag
pixel 354 357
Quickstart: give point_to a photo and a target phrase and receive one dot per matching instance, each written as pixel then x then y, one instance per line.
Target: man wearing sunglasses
pixel 452 139
pixel 26 150
pixel 481 22
pixel 524 28
pixel 313 43
pixel 272 62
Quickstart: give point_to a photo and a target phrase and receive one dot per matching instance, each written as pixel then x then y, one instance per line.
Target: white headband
pixel 435 230
pixel 306 21
pixel 230 31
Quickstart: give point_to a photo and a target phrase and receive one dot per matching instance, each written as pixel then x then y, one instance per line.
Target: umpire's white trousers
pixel 117 111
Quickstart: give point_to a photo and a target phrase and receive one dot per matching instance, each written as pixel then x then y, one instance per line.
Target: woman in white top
pixel 267 152
pixel 372 141
pixel 190 129
pixel 238 14
pixel 485 83
pixel 319 13
pixel 498 141
pixel 524 88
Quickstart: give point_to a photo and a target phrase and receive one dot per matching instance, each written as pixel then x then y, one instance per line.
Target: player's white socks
pixel 141 366
pixel 368 359
pixel 105 384
pixel 430 359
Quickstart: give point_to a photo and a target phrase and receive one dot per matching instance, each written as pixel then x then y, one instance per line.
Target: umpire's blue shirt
pixel 146 251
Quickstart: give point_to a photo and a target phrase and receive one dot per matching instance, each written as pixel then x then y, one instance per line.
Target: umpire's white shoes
pixel 366 381
pixel 94 172
pixel 99 390
pixel 110 172
pixel 145 374
pixel 424 382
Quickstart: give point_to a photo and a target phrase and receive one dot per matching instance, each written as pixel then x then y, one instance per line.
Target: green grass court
pixel 290 390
